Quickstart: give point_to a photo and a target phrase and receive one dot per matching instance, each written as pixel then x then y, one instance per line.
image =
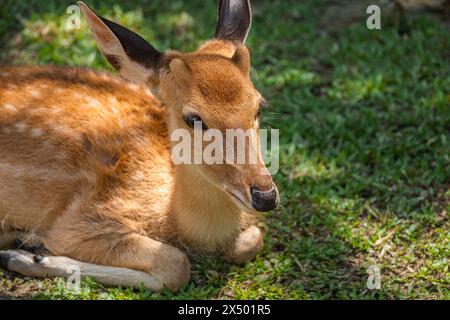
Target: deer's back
pixel 64 131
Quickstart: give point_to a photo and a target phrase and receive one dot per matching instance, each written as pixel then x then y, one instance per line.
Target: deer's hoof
pixel 5 256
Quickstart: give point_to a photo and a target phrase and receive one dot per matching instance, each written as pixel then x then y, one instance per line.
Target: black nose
pixel 264 201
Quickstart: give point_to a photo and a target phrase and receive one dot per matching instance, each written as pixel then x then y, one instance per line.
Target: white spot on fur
pixel 35 93
pixel 94 103
pixel 63 130
pixel 37 110
pixel 133 86
pixel 37 132
pixel 104 76
pixel 112 100
pixel 21 126
pixel 78 96
pixel 61 156
pixel 10 107
pixel 122 123
pixel 44 173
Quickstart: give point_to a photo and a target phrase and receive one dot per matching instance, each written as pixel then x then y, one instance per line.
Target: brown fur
pixel 85 161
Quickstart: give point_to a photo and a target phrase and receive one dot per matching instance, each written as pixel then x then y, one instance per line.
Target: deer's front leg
pixel 32 265
pixel 168 265
pixel 165 262
pixel 247 245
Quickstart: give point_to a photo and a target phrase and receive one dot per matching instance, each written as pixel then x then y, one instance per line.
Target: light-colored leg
pixel 32 265
pixel 126 262
pixel 248 244
pixel 167 264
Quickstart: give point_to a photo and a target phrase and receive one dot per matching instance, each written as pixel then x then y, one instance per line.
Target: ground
pixel 364 120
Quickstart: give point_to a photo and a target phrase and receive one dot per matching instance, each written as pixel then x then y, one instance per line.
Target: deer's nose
pixel 264 201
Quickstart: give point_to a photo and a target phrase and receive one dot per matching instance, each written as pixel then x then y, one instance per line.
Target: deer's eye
pixel 258 114
pixel 264 104
pixel 191 119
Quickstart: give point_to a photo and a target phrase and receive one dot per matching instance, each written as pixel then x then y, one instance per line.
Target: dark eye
pixel 191 119
pixel 264 104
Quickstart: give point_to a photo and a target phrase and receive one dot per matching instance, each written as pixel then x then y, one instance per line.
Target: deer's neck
pixel 206 217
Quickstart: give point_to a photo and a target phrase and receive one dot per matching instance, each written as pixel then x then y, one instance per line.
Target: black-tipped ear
pixel 127 52
pixel 137 49
pixel 234 20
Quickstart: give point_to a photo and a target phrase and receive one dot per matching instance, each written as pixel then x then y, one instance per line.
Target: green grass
pixel 364 119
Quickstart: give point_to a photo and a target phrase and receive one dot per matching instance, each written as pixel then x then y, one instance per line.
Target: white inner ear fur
pixel 110 45
pixel 135 72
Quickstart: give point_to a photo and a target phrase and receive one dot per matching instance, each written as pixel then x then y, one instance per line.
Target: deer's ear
pixel 234 20
pixel 241 58
pixel 181 71
pixel 127 52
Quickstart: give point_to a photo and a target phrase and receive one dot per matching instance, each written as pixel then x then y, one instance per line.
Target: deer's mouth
pixel 240 202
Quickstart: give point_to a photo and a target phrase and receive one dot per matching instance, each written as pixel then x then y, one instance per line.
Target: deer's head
pixel 211 85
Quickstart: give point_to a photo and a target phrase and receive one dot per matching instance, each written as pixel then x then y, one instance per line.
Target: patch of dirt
pixel 13 287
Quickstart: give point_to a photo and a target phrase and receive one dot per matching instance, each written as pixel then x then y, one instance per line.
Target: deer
pixel 85 159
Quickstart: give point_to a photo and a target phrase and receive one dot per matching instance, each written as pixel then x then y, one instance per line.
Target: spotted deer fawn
pixel 85 159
